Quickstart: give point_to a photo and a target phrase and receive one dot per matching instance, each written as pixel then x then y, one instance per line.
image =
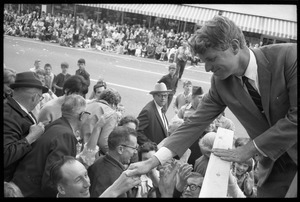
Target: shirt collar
pixel 251 71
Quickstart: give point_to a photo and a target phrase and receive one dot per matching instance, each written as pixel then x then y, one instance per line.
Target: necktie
pixel 32 117
pixel 253 93
pixel 163 111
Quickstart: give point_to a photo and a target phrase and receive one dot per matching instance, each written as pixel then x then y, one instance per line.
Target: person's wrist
pixel 152 162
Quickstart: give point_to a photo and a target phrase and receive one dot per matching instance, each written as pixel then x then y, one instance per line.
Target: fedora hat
pixel 160 88
pixel 28 79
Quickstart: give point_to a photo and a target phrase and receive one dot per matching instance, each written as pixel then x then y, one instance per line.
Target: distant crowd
pixel 127 39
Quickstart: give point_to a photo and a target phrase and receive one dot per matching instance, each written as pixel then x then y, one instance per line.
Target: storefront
pixel 179 17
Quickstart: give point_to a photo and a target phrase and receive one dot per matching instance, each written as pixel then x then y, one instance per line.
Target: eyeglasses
pixel 192 187
pixel 135 148
pixel 40 96
pixel 162 95
pixel 84 112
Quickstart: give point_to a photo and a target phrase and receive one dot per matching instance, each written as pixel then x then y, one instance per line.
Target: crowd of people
pixel 135 40
pixel 58 143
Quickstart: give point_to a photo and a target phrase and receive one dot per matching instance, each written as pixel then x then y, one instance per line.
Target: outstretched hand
pixel 240 154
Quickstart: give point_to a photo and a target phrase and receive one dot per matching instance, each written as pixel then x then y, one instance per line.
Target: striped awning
pixel 250 23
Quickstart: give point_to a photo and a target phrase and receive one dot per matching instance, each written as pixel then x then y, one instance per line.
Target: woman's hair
pixel 75 84
pixel 146 147
pixel 241 141
pixel 128 119
pixel 111 96
pixel 217 33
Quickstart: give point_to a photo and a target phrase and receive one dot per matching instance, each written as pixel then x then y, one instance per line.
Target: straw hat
pixel 160 88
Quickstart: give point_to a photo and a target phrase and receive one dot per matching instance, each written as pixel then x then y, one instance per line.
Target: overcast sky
pixel 284 11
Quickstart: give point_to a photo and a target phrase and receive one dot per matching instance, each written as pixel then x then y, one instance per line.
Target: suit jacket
pixel 103 173
pixel 32 175
pixel 151 125
pixel 16 126
pixel 275 134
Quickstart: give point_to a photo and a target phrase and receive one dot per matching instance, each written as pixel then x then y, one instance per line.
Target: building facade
pixel 179 17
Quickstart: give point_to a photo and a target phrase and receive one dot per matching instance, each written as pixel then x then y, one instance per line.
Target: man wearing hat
pixel 20 126
pixel 153 121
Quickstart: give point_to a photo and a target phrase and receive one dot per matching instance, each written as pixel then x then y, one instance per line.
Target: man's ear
pixel 235 44
pixel 120 150
pixel 61 189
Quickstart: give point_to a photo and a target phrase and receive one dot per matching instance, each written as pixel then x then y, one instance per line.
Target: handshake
pixel 123 184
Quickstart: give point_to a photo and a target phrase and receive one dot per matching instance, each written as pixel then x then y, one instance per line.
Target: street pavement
pixel 133 77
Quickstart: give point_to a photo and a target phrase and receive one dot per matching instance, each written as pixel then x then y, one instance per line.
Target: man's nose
pixel 208 67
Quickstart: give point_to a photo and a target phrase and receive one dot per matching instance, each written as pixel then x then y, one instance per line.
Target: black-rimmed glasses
pixel 192 187
pixel 135 148
pixel 84 112
pixel 162 95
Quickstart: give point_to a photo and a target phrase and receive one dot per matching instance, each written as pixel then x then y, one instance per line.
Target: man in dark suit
pixel 271 123
pixel 153 121
pixel 20 128
pixel 122 145
pixel 32 175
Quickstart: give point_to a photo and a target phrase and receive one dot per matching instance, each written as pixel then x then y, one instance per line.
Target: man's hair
pixel 195 175
pixel 120 135
pixel 207 141
pixel 56 175
pixel 73 105
pixel 111 96
pixel 75 84
pixel 128 119
pixel 47 65
pixel 147 147
pixel 217 33
pixel 186 83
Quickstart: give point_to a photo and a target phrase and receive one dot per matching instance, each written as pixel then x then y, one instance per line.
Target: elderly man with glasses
pixel 153 121
pixel 20 128
pixel 122 145
pixel 32 175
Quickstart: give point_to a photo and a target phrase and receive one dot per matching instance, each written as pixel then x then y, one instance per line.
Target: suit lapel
pixel 244 98
pixel 264 79
pixel 159 119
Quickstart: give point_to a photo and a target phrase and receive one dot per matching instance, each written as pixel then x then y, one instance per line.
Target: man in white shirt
pixel 271 124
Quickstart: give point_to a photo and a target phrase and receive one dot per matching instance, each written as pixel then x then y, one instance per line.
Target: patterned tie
pixel 253 93
pixel 32 117
pixel 163 111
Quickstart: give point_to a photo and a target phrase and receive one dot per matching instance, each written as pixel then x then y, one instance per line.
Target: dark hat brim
pixel 20 85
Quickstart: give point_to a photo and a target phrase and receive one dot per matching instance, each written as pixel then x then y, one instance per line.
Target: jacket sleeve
pixel 14 142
